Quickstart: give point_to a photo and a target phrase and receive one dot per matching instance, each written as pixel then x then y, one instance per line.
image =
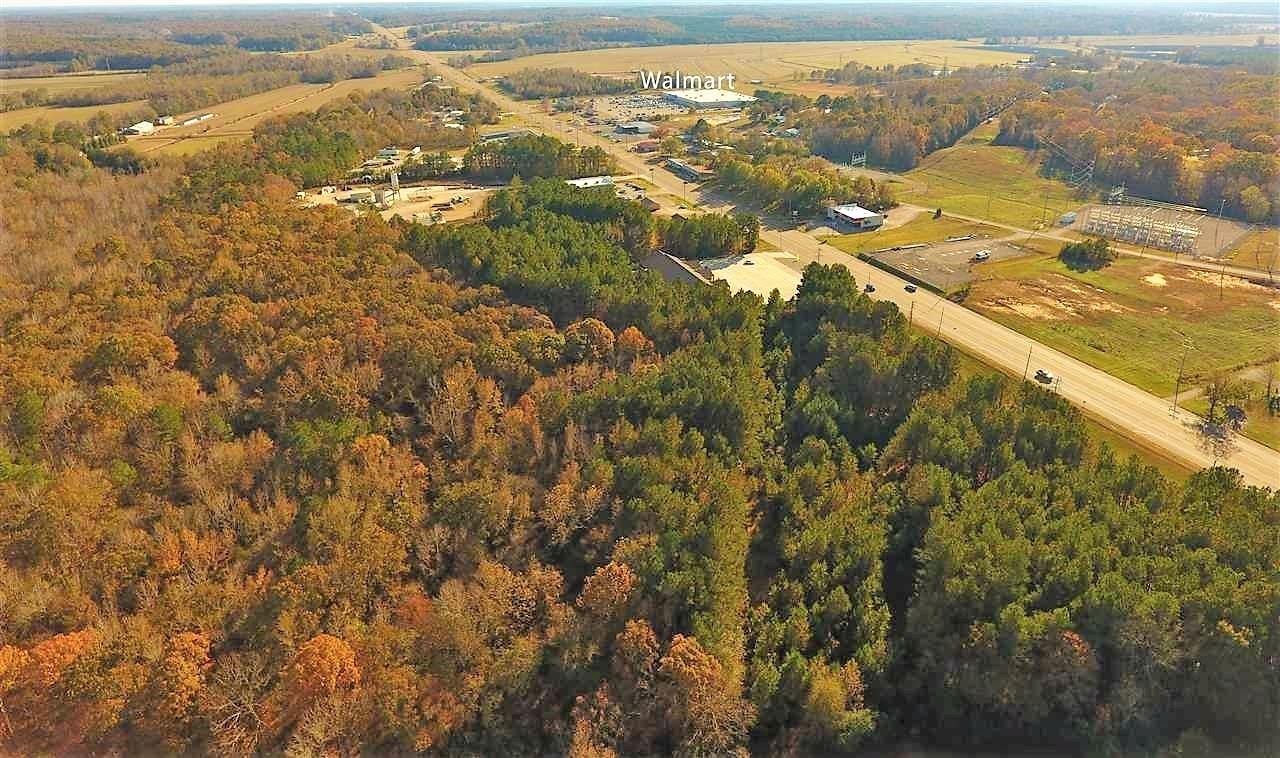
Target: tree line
pixel 188 86
pixel 538 83
pixel 1195 135
pixel 803 185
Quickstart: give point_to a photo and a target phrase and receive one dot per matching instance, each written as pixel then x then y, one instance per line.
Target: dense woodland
pixel 804 185
pixel 532 156
pixel 908 119
pixel 291 479
pixel 516 32
pixel 1183 134
pixel 36 45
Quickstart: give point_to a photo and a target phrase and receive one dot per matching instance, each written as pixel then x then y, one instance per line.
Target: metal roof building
pixel 709 98
pixel 635 127
pixel 855 216
pixel 590 181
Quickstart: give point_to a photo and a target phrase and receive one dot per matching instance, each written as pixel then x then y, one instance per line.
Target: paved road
pixel 1137 414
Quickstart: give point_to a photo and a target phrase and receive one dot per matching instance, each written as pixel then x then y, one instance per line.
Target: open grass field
pixel 63 83
pixel 923 228
pixel 1000 183
pixel 1179 40
pixel 236 118
pixel 1133 318
pixel 13 119
pixel 1258 249
pixel 770 62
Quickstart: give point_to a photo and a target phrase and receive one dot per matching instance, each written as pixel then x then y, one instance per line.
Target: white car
pixel 981 255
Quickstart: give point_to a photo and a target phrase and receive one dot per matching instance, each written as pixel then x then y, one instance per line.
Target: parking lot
pixel 947 265
pixel 639 107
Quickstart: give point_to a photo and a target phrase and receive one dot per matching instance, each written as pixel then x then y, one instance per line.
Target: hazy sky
pixel 107 4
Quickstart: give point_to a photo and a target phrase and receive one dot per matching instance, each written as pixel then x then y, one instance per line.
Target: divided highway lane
pixel 1137 414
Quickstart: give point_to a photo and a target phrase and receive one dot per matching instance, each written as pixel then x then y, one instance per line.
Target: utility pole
pixel 911 314
pixel 1177 387
pixel 1221 207
pixel 988 202
pixel 1027 370
pixel 941 313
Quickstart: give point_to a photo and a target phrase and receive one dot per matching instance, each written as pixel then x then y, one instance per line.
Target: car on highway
pixel 748 262
pixel 1044 377
pixel 910 288
pixel 869 288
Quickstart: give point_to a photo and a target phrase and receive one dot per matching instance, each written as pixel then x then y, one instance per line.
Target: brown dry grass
pixel 771 62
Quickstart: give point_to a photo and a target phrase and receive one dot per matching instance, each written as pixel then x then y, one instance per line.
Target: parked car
pixel 869 288
pixel 910 288
pixel 1044 377
pixel 981 255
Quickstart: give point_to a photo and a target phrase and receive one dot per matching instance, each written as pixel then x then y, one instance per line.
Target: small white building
pixel 855 217
pixel 165 121
pixel 590 181
pixel 142 127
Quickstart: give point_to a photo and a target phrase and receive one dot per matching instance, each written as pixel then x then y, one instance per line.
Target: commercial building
pixel 647 146
pixel 506 135
pixel 855 217
pixel 635 127
pixel 142 127
pixel 590 181
pixel 706 99
pixel 685 171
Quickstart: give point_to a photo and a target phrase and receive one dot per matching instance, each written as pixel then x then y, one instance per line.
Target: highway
pixel 1150 421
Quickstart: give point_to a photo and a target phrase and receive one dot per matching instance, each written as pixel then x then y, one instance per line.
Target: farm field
pixel 61 83
pixel 11 120
pixel 1133 318
pixel 996 182
pixel 236 118
pixel 771 62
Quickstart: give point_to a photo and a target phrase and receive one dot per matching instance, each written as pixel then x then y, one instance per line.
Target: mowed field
pixel 770 62
pixel 11 120
pixel 999 183
pixel 1179 40
pixel 63 83
pixel 1133 318
pixel 236 118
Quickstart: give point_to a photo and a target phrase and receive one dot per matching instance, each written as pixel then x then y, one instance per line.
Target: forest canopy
pixel 278 479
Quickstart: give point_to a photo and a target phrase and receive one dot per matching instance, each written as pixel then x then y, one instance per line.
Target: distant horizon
pixel 1263 8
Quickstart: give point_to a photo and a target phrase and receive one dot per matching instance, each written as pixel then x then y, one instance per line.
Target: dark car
pixel 910 288
pixel 1044 377
pixel 869 288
